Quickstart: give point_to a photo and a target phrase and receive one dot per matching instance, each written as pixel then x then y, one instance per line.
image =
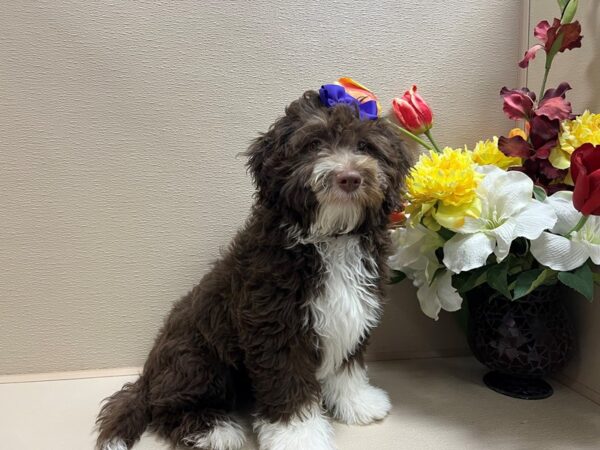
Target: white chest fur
pixel 346 309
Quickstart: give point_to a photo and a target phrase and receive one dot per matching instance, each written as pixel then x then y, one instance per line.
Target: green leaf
pixel 397 276
pixel 497 278
pixel 568 11
pixel 446 234
pixel 528 281
pixel 562 4
pixel 580 280
pixel 470 280
pixel 597 278
pixel 539 193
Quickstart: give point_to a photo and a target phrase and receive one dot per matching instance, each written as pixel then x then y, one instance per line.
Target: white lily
pixel 561 249
pixel 415 257
pixel 508 212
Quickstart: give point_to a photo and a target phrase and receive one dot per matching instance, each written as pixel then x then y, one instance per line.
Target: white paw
pixel 224 435
pixel 365 406
pixel 310 431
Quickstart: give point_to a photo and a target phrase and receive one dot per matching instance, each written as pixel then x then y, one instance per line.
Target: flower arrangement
pixel 513 213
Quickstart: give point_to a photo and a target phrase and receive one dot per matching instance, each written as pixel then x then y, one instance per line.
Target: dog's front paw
pixel 365 406
pixel 307 431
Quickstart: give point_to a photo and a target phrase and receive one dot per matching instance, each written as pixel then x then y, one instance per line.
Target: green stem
pixel 546 71
pixel 408 134
pixel 430 137
pixel 579 226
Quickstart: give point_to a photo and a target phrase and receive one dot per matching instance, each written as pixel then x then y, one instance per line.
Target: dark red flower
pixel 543 137
pixel 518 103
pixel 585 170
pixel 554 38
pixel 553 104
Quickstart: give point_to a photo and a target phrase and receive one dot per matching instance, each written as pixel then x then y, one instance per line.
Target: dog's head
pixel 326 171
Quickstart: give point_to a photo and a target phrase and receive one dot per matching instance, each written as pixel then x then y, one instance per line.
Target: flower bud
pixel 413 112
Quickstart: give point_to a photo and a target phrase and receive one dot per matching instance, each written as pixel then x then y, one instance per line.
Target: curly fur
pixel 258 328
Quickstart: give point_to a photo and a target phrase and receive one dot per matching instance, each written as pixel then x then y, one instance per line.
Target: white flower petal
pixel 558 252
pixel 594 251
pixel 466 252
pixel 473 225
pixel 504 234
pixel 449 298
pixel 427 296
pixel 534 219
pixel 415 248
pixel 567 216
pixel 589 235
pixel 506 192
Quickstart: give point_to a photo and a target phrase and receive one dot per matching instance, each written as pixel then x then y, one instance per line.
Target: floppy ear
pixel 266 152
pixel 263 154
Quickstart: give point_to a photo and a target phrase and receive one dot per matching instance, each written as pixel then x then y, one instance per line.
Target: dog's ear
pixel 265 153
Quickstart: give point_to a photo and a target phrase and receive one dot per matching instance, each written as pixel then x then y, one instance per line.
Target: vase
pixel 520 341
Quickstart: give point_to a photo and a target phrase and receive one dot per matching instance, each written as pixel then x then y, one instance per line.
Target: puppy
pixel 283 318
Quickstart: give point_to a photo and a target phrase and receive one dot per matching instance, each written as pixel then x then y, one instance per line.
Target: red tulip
pixel 585 170
pixel 413 112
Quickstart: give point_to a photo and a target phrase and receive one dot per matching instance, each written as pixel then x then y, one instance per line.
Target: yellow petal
pixel 517 132
pixel 559 158
pixel 453 217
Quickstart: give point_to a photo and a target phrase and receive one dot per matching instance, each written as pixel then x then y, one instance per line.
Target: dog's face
pixel 327 171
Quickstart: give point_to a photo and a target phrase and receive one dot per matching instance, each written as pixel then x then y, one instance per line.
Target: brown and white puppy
pixel 282 319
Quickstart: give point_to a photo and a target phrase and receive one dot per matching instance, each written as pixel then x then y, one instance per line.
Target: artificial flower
pixel 397 218
pixel 508 211
pixel 335 94
pixel 416 257
pixel 517 132
pixel 413 112
pixel 563 249
pixel 442 186
pixel 585 170
pixel 358 91
pixel 486 153
pixel 568 33
pixel 543 137
pixel 436 294
pixel 415 250
pixel 520 103
pixel 583 129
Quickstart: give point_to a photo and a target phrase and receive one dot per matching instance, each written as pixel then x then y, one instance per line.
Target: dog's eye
pixel 314 145
pixel 363 147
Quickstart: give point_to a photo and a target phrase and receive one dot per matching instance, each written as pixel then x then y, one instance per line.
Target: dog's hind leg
pixel 192 400
pixel 219 432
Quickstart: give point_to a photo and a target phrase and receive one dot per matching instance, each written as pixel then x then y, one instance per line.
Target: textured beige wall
pixel 581 69
pixel 120 123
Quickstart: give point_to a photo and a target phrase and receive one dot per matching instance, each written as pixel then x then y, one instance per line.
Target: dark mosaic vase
pixel 521 341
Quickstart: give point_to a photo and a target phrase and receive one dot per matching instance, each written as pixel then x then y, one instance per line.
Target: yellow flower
pixel 487 153
pixel 441 189
pixel 574 133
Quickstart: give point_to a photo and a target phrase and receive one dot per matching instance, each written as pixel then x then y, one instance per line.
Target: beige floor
pixel 438 404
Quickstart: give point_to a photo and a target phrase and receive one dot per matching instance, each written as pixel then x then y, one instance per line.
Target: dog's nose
pixel 348 180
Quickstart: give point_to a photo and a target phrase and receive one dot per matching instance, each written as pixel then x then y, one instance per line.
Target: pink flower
pixel 413 112
pixel 570 33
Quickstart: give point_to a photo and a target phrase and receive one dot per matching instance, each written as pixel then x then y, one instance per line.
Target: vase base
pixel 516 387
